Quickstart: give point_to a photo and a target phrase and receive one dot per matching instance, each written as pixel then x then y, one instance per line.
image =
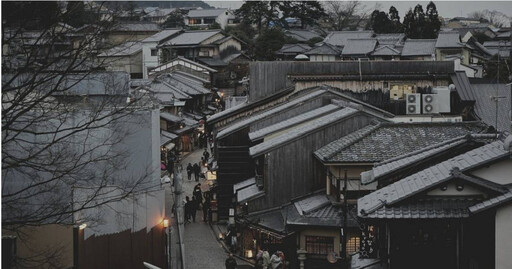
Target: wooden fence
pixel 124 250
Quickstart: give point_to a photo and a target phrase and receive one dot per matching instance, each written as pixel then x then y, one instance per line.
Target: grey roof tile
pixel 448 39
pixel 302 130
pixel 359 47
pixel 247 121
pixel 259 134
pixel 385 50
pixel 419 47
pixel 301 35
pixel 339 38
pixel 324 49
pixel 191 37
pixel 201 13
pixel 125 49
pixel 293 48
pixel 485 107
pixel 162 35
pixel 426 178
pixel 385 141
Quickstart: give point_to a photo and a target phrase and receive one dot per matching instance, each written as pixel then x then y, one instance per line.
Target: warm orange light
pixel 166 223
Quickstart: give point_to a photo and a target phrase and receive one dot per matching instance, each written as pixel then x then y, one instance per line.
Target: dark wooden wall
pixel 269 77
pixel 293 171
pixel 123 250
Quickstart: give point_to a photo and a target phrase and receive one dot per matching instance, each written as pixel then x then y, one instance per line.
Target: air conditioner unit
pixel 443 99
pixel 413 103
pixel 430 105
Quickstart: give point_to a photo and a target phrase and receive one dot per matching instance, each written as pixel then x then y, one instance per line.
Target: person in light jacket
pixel 275 261
pixel 266 259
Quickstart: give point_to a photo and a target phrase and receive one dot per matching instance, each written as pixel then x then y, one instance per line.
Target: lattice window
pixel 319 245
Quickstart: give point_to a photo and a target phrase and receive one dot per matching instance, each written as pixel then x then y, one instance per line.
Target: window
pixel 209 20
pixel 154 52
pixel 353 244
pixel 204 52
pixel 319 245
pixel 194 21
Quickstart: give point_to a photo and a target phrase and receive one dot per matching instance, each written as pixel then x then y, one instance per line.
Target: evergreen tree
pixel 175 20
pixel 307 11
pixel 395 20
pixel 268 43
pixel 381 23
pixel 409 25
pixel 255 12
pixel 433 24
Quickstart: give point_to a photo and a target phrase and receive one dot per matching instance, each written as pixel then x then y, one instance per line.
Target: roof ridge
pixel 363 132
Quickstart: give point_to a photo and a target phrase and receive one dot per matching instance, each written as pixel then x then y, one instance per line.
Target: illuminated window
pixel 319 245
pixel 353 244
pixel 194 21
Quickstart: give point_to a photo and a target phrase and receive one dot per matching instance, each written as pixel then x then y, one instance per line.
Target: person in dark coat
pixel 188 205
pixel 197 193
pixel 193 208
pixel 189 170
pixel 206 155
pixel 197 170
pixel 231 262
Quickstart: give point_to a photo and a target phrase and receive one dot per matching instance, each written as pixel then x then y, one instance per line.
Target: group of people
pixel 263 260
pixel 193 169
pixel 199 199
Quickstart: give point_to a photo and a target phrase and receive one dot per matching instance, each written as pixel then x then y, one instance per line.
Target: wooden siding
pixel 287 177
pixel 270 77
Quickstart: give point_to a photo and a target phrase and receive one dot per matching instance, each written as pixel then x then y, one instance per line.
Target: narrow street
pixel 202 249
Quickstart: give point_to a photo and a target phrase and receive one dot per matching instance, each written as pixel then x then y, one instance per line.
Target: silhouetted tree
pixel 174 20
pixel 307 11
pixel 432 23
pixel 268 43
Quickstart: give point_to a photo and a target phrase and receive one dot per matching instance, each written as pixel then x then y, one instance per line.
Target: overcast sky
pixel 446 9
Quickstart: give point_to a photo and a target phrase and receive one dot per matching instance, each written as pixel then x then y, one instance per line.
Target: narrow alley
pixel 202 248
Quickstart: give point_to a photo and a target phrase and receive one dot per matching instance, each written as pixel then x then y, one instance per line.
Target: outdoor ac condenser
pixel 443 99
pixel 413 103
pixel 430 104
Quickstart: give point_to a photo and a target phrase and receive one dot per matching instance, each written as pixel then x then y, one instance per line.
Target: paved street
pixel 202 249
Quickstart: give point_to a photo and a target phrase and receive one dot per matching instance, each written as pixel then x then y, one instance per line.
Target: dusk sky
pixel 446 9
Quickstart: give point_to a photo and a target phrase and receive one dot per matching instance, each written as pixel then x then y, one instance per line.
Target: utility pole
pixel 345 215
pixel 178 193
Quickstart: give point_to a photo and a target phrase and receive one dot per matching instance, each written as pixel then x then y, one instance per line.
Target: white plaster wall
pixel 500 172
pixel 147 59
pixel 504 237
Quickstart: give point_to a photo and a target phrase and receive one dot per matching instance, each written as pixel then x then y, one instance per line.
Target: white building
pixel 206 17
pixel 150 57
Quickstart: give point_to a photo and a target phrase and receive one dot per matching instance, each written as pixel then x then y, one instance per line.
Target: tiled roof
pixel 162 35
pixel 434 208
pixel 211 62
pixel 300 131
pixel 463 86
pixel 170 117
pixel 430 177
pixel 386 50
pixel 419 47
pixel 449 39
pixel 339 38
pixel 246 190
pixel 200 13
pixel 313 114
pixel 301 35
pixel 495 201
pixel 135 27
pixel 359 46
pixel 377 143
pixel 293 48
pixel 390 39
pixel 125 49
pixel 191 37
pixel 247 121
pixel 403 161
pixel 324 49
pixel 184 84
pixel 485 106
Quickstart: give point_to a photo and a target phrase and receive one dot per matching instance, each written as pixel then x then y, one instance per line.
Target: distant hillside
pixel 161 4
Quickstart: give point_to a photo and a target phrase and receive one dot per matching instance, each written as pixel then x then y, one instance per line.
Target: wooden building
pixel 457 210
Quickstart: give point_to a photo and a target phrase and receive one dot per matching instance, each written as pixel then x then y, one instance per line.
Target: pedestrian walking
pixel 193 208
pixel 206 208
pixel 189 171
pixel 188 208
pixel 197 193
pixel 275 261
pixel 266 258
pixel 231 262
pixel 197 170
pixel 259 260
pixel 206 155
